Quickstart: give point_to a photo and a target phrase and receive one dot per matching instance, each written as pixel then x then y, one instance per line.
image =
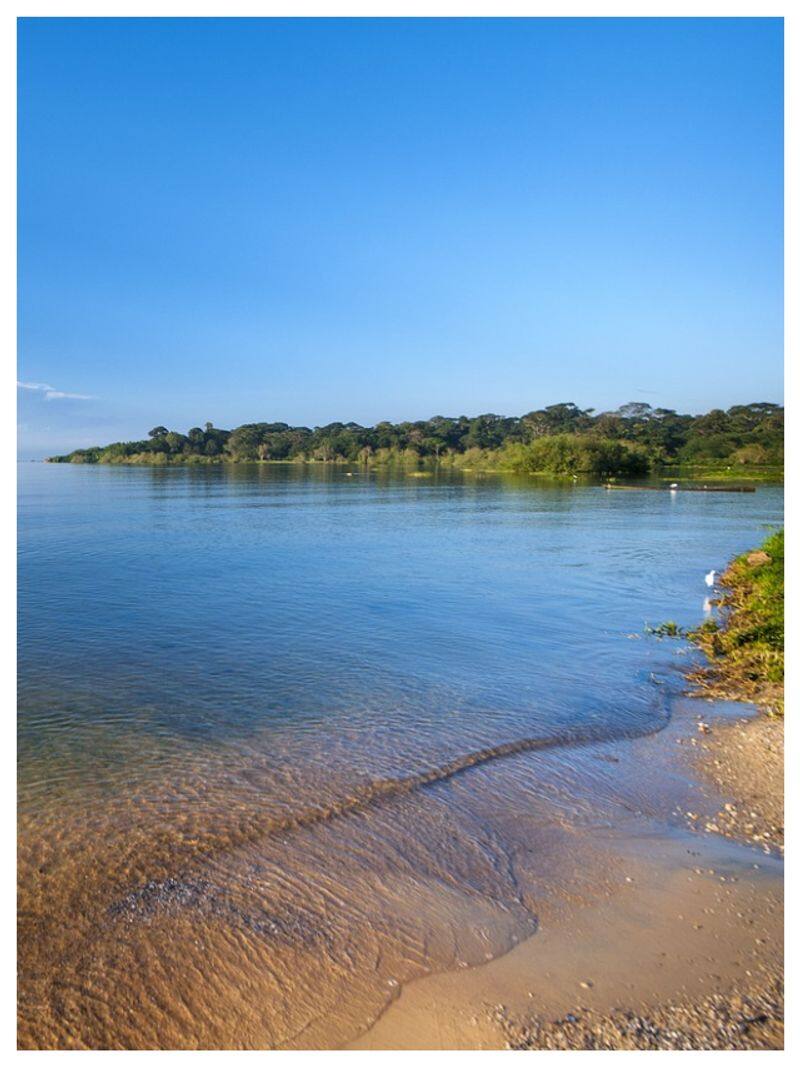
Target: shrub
pixel 567 453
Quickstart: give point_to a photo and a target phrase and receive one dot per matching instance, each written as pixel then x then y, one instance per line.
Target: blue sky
pixel 313 220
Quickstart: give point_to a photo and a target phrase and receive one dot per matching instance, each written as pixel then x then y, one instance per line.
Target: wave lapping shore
pixel 680 948
pixel 689 954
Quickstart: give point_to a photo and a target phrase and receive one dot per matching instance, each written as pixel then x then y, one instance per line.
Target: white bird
pixel 710 578
pixel 674 485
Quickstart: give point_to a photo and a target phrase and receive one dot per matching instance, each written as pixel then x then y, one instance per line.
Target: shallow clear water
pixel 248 696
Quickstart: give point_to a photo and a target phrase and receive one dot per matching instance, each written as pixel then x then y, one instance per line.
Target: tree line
pixel 561 438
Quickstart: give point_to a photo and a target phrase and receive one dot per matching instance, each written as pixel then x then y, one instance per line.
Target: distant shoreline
pixel 633 441
pixel 411 467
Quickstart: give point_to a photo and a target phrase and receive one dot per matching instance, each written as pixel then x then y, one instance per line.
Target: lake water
pixel 289 738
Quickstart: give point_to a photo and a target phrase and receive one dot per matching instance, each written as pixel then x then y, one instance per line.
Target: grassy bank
pixel 745 648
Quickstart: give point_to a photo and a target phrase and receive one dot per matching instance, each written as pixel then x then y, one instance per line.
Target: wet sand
pixel 681 946
pixel 480 909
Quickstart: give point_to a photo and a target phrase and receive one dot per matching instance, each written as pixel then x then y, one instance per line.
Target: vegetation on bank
pixel 698 472
pixel 561 439
pixel 745 649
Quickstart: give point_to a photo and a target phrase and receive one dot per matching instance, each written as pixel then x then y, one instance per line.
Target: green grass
pixel 746 650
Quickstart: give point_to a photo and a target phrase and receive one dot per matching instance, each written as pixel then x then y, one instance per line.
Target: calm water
pixel 246 698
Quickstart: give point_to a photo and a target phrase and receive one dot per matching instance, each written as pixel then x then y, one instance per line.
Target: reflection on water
pixel 288 738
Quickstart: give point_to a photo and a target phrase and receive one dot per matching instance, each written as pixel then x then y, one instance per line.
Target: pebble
pixel 717 1022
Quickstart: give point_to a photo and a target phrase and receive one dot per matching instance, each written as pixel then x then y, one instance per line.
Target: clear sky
pixel 237 220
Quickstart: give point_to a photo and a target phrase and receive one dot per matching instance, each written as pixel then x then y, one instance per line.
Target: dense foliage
pixel 560 439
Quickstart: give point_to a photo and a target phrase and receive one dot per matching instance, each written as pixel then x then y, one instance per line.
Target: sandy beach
pixel 680 945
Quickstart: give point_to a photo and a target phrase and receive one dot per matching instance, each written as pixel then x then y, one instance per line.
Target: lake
pixel 291 736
